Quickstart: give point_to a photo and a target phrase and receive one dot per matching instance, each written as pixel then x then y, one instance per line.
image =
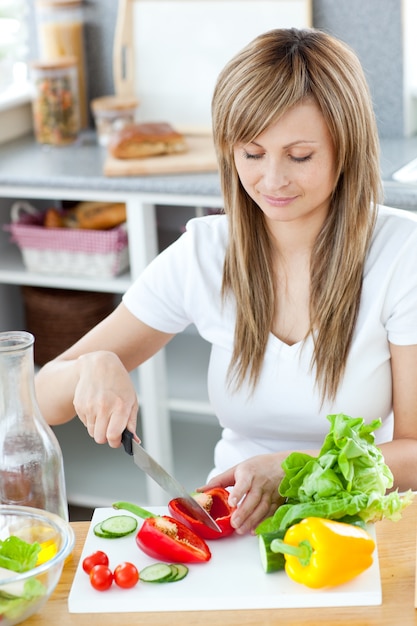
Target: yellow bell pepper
pixel 324 553
pixel 48 550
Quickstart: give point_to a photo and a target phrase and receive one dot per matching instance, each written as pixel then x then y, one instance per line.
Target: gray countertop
pixel 24 163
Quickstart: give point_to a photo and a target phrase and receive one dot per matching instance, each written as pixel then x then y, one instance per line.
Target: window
pixel 13 42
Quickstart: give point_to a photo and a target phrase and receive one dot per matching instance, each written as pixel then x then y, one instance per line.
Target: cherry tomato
pixel 97 558
pixel 101 577
pixel 126 575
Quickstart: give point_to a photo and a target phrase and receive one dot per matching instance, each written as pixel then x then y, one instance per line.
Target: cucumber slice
pixel 271 561
pixel 116 526
pixel 99 533
pixel 156 573
pixel 163 573
pixel 182 571
pixel 174 573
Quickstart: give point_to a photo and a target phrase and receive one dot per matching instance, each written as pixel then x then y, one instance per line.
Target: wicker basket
pixel 67 251
pixel 59 317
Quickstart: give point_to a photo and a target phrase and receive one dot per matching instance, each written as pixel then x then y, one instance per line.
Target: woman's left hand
pixel 254 489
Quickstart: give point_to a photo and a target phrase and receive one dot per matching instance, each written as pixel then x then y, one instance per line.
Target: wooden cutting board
pixel 200 157
pixel 233 579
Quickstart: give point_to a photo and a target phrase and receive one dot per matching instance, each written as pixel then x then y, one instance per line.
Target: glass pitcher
pixel 31 462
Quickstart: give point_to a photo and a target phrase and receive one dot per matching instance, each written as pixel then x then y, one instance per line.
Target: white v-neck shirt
pixel 182 286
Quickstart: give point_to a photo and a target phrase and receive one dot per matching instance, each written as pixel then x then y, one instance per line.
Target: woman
pixel 306 287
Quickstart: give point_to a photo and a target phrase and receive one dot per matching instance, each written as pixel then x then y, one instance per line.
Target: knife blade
pixel 168 483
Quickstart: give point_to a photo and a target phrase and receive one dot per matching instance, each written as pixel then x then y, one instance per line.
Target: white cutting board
pixel 232 579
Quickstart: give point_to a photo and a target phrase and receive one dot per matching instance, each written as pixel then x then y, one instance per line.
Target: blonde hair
pixel 276 71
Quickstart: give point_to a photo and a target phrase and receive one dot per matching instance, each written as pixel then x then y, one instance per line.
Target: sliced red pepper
pixel 215 501
pixel 165 538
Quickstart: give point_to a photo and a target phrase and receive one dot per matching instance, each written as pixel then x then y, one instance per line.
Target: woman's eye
pixel 249 155
pixel 301 159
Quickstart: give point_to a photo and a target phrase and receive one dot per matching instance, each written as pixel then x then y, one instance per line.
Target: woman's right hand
pixel 105 399
pixel 92 376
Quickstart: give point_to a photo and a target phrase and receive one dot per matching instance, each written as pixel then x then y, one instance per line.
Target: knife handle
pixel 127 438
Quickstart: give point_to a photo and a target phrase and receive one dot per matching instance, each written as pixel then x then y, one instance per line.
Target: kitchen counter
pixel 395 153
pixel 25 164
pixel 397 559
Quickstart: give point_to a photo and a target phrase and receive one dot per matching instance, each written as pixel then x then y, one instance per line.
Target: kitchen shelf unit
pixel 169 385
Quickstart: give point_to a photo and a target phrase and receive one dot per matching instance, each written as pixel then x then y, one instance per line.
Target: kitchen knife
pixel 165 480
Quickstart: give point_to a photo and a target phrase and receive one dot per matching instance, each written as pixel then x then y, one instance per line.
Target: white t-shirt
pixel 182 287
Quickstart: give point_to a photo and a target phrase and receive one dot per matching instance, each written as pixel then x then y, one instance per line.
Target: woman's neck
pixel 292 239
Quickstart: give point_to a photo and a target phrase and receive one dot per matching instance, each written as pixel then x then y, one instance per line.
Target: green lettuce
pixel 13 607
pixel 18 555
pixel 16 598
pixel 348 480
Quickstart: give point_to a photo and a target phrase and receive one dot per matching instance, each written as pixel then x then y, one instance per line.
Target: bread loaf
pixel 138 141
pixel 53 218
pixel 89 215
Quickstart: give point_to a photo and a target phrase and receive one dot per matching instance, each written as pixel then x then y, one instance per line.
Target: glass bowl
pixel 22 595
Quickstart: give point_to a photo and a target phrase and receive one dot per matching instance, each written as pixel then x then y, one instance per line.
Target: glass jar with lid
pixel 60 26
pixel 56 116
pixel 111 113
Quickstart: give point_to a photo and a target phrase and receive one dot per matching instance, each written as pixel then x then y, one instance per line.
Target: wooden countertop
pixel 397 557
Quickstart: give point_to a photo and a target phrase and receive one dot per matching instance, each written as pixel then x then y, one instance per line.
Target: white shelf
pixel 97 475
pixel 187 358
pixel 177 426
pixel 13 272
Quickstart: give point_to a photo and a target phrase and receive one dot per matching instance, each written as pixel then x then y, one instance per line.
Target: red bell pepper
pixel 165 538
pixel 215 501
